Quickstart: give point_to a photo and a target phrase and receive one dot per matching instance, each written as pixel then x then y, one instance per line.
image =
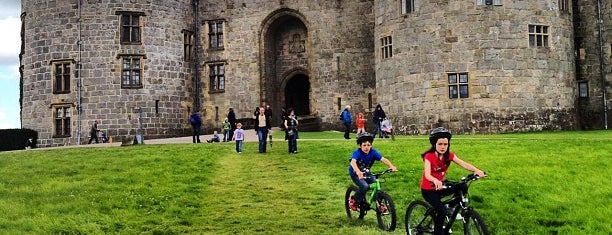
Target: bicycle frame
pixel 376 187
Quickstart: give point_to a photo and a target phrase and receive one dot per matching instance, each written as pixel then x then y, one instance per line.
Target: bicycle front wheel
pixel 385 211
pixel 418 220
pixel 473 224
pixel 353 210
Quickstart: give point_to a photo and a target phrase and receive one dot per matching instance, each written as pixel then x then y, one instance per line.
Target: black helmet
pixel 439 132
pixel 364 136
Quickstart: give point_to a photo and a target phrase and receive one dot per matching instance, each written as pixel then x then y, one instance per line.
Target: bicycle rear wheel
pixel 418 220
pixel 353 210
pixel 385 211
pixel 473 224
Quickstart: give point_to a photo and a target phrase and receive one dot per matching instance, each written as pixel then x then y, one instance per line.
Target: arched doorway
pixel 297 94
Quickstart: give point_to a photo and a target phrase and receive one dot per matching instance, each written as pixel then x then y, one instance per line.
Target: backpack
pixel 341 118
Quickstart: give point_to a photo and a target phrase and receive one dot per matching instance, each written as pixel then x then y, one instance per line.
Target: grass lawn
pixel 539 183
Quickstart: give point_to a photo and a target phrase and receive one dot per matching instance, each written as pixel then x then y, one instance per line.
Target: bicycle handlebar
pixel 464 180
pixel 367 171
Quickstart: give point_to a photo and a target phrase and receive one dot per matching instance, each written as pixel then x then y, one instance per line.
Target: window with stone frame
pixel 407 6
pixel 61 76
pixel 215 35
pixel 386 48
pixel 489 2
pixel 583 89
pixel 458 85
pixel 564 5
pixel 131 71
pixel 217 77
pixel 61 114
pixel 188 45
pixel 131 27
pixel 538 35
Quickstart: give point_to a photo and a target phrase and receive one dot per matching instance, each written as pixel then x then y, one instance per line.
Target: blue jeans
pixel 363 184
pixel 262 135
pixel 292 140
pixel 239 146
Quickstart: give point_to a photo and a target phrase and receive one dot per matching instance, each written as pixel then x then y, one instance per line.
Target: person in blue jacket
pixel 346 121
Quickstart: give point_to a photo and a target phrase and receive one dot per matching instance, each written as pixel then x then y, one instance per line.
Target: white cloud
pixel 10 42
pixel 9 119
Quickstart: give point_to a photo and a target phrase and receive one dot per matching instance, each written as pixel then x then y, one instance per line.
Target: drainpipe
pixel 196 77
pixel 602 64
pixel 78 74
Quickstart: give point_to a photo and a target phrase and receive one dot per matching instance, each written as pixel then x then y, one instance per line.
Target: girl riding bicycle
pixel 362 159
pixel 436 162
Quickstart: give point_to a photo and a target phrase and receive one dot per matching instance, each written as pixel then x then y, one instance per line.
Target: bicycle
pixel 384 206
pixel 420 215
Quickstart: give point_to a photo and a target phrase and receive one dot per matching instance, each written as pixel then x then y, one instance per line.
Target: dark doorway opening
pixel 297 94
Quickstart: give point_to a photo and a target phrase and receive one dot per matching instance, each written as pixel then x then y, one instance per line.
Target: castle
pixel 475 66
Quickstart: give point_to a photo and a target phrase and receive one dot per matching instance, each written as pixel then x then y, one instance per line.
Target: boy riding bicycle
pixel 436 162
pixel 362 160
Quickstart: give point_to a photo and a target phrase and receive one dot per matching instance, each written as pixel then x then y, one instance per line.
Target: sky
pixel 10 43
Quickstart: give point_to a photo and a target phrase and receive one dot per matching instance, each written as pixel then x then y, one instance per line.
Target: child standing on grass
pixel 238 137
pixel 360 123
pixel 360 163
pixel 436 162
pixel 226 130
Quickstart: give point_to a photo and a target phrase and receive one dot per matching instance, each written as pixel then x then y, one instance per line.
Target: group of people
pixel 382 125
pixel 436 161
pixel 262 122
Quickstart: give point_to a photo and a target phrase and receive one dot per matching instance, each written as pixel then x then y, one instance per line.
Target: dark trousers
pixel 262 135
pixel 347 130
pixel 230 134
pixel 292 141
pixel 94 136
pixel 435 200
pixel 196 134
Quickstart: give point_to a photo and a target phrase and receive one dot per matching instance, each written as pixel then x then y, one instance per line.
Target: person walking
pixel 93 132
pixel 291 123
pixel 262 127
pixel 378 117
pixel 196 123
pixel 231 118
pixel 238 137
pixel 346 121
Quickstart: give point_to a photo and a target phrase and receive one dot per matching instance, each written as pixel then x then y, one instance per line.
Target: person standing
pixel 360 123
pixel 226 130
pixel 291 123
pixel 346 121
pixel 93 132
pixel 378 117
pixel 196 123
pixel 231 118
pixel 238 137
pixel 262 127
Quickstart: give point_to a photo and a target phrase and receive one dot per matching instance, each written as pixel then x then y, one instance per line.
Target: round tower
pixel 128 64
pixel 476 66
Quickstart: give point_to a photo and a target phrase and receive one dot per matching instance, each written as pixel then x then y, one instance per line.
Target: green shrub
pixel 14 139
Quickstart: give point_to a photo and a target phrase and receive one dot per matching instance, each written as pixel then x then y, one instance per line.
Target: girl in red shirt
pixel 436 162
pixel 360 122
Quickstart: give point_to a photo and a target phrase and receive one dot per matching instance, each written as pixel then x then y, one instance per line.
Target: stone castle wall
pixel 512 87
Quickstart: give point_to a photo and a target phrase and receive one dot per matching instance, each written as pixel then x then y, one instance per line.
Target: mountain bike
pixel 383 205
pixel 420 215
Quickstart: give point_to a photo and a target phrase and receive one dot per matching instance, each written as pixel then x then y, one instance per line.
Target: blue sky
pixel 10 42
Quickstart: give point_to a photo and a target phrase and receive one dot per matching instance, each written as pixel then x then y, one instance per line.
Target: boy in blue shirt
pixel 362 159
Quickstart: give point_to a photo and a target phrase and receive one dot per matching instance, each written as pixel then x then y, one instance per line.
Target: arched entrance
pixel 297 94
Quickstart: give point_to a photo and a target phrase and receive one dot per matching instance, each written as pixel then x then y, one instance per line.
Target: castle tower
pixel 120 62
pixel 476 66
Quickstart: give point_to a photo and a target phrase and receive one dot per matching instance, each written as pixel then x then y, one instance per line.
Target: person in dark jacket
pixel 378 117
pixel 262 126
pixel 346 121
pixel 196 124
pixel 231 118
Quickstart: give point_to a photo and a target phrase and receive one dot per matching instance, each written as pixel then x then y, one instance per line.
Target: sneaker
pixel 353 204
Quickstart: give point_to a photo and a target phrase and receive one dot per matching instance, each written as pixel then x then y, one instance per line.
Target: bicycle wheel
pixel 385 211
pixel 473 224
pixel 419 218
pixel 353 210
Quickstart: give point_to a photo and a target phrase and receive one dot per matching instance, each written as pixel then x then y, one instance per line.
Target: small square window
pixel 583 89
pixel 458 85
